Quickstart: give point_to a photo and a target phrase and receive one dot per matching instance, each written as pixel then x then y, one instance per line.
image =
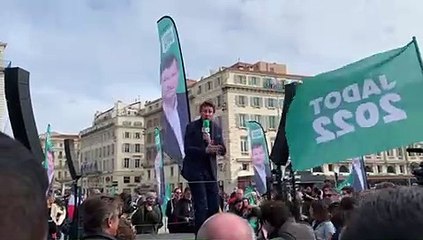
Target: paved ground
pixel 168 236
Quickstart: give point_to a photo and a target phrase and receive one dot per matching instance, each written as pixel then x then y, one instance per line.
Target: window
pixel 271 103
pixel 240 79
pixel 126 123
pixel 318 169
pixel 126 163
pixel 330 167
pixel 257 118
pixel 149 123
pixel 244 145
pixel 219 101
pixel 245 166
pixel 390 169
pixel 126 179
pixel 149 138
pixel 219 81
pixel 137 124
pixel 401 168
pixel 369 169
pixel 256 101
pixel 209 85
pixel 60 163
pixel 343 169
pixel 253 81
pixel 199 90
pixel 113 149
pixel 379 169
pixel 400 153
pixel 172 172
pixel 126 147
pixel 137 135
pixel 59 175
pixel 149 174
pixel 242 101
pixel 271 122
pixel 126 135
pixel 137 179
pixel 242 120
pixel 137 163
pixel 390 153
pixel 108 150
pixel 60 154
pixel 137 148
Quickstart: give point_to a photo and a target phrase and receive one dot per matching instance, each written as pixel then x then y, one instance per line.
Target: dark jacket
pixel 170 142
pixel 147 221
pixel 197 162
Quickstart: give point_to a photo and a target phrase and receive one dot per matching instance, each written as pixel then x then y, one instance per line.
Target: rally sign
pixel 368 106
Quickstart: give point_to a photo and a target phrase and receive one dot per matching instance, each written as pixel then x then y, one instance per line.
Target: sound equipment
pixel 280 150
pixel 21 116
pixel 71 160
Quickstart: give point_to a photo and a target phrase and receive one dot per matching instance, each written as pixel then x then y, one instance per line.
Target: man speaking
pixel 203 141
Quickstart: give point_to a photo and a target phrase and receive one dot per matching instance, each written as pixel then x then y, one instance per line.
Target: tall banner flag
pixel 158 166
pixel 365 107
pixel 174 90
pixel 357 178
pixel 49 156
pixel 259 155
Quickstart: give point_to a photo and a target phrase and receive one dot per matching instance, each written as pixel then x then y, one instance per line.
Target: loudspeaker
pixel 71 159
pixel 21 116
pixel 280 150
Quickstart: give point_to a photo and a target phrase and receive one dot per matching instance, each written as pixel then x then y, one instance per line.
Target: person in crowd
pixel 237 207
pixel 148 217
pixel 342 214
pixel 323 227
pixel 100 217
pixel 52 227
pixel 391 213
pixel 185 213
pixel 58 215
pixel 347 191
pixel 273 215
pixel 23 194
pixel 292 229
pixel 202 146
pixel 125 229
pixel 235 198
pixel 225 226
pixel 170 210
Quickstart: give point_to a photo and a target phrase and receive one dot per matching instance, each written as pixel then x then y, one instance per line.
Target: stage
pixel 169 236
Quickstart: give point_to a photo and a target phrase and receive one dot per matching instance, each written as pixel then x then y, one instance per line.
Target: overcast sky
pixel 84 55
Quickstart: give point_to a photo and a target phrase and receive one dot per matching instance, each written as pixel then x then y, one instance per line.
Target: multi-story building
pixel 2 93
pixel 241 92
pixel 62 177
pixel 112 149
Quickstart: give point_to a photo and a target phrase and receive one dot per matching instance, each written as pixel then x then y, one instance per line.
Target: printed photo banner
pixel 176 114
pixel 159 168
pixel 259 155
pixel 366 107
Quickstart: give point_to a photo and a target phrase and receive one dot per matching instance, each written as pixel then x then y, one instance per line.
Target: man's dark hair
pixel 392 213
pixel 348 189
pixel 274 212
pixel 167 62
pixel 23 192
pixel 96 210
pixel 257 145
pixel 207 104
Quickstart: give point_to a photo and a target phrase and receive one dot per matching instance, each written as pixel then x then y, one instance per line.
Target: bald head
pixel 225 226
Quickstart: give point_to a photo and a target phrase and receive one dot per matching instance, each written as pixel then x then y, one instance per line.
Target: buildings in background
pixel 118 150
pixel 112 149
pixel 62 177
pixel 3 64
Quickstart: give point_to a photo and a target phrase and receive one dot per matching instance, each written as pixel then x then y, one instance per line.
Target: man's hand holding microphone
pixel 211 147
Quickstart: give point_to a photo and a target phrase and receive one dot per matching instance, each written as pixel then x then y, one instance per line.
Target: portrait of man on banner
pixel 261 166
pixel 175 108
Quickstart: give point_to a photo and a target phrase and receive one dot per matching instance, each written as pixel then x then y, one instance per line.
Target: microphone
pixel 206 126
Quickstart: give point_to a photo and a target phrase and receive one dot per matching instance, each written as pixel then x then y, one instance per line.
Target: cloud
pixel 84 55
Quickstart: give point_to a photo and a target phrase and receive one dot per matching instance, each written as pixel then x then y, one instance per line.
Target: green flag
pixel 368 106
